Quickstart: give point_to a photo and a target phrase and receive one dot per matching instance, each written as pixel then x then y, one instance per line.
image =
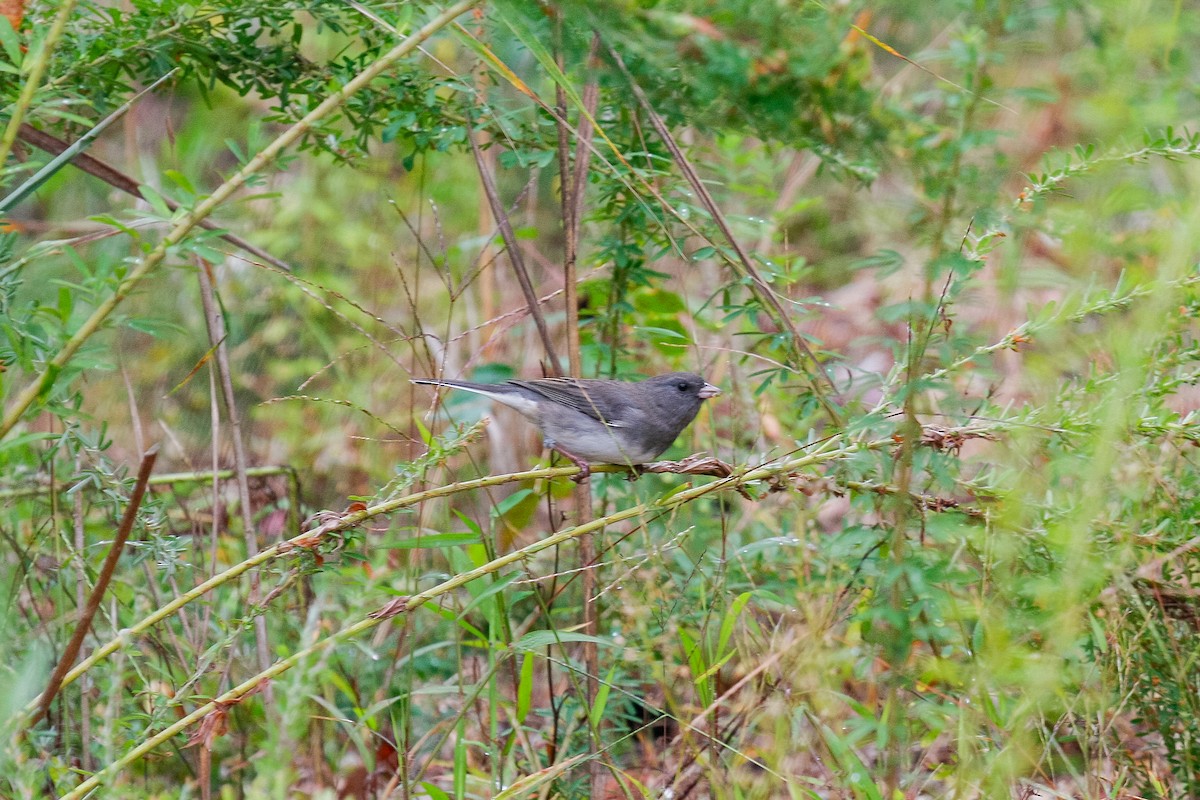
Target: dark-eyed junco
pixel 600 421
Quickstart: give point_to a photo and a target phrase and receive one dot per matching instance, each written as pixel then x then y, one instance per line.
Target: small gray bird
pixel 602 421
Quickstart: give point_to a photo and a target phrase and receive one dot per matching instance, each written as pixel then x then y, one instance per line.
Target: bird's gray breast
pixel 593 440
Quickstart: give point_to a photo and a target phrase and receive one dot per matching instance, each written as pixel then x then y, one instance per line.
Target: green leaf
pixel 529 784
pixel 711 671
pixel 207 253
pixel 730 620
pixel 471 524
pixel 658 301
pixel 664 333
pixel 887 262
pixel 62 159
pixel 769 544
pixel 436 541
pixel 600 704
pixel 156 327
pixel 525 687
pixel 460 758
pixel 493 589
pixel 237 151
pixel 180 180
pixel 11 43
pixel 65 303
pixel 856 773
pixel 435 792
pixel 427 437
pixel 156 201
pixel 539 640
pixel 24 439
pixel 510 502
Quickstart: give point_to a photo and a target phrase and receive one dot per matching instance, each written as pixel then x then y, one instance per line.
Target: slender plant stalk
pixel 43 382
pixel 217 338
pixel 573 180
pixel 72 151
pixel 34 78
pixel 401 605
pixel 166 479
pixel 404 605
pixel 802 353
pixel 85 703
pixel 1066 312
pixel 307 539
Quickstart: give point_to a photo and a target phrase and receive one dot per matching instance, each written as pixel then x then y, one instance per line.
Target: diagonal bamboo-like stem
pixel 43 382
pixel 412 602
pixel 825 451
pixel 114 177
pixel 307 539
pixel 72 151
pixel 415 601
pixel 313 537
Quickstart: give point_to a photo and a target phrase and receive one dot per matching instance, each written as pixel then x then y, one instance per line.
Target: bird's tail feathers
pixel 507 394
pixel 468 385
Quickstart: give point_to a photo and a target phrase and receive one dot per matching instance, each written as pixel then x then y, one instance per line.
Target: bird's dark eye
pixel 682 386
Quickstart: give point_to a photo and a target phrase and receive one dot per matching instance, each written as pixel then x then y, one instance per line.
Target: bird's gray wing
pixel 603 401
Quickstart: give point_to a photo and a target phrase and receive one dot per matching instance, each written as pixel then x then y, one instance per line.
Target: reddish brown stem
pixel 93 603
pixel 514 255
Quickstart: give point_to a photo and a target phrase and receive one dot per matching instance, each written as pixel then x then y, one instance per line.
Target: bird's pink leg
pixel 585 470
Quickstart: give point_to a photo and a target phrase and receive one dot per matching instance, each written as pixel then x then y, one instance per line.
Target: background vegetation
pixel 940 256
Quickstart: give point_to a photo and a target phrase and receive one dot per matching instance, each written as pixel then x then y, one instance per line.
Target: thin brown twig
pixel 71 652
pixel 760 287
pixel 515 257
pixel 214 532
pixel 119 180
pixel 332 522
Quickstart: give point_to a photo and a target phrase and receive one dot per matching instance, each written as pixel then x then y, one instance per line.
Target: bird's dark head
pixel 666 404
pixel 683 385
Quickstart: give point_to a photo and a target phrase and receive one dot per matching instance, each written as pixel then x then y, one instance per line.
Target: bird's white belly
pixel 595 442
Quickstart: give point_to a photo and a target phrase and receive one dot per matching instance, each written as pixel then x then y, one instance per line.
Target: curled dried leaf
pixel 397 606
